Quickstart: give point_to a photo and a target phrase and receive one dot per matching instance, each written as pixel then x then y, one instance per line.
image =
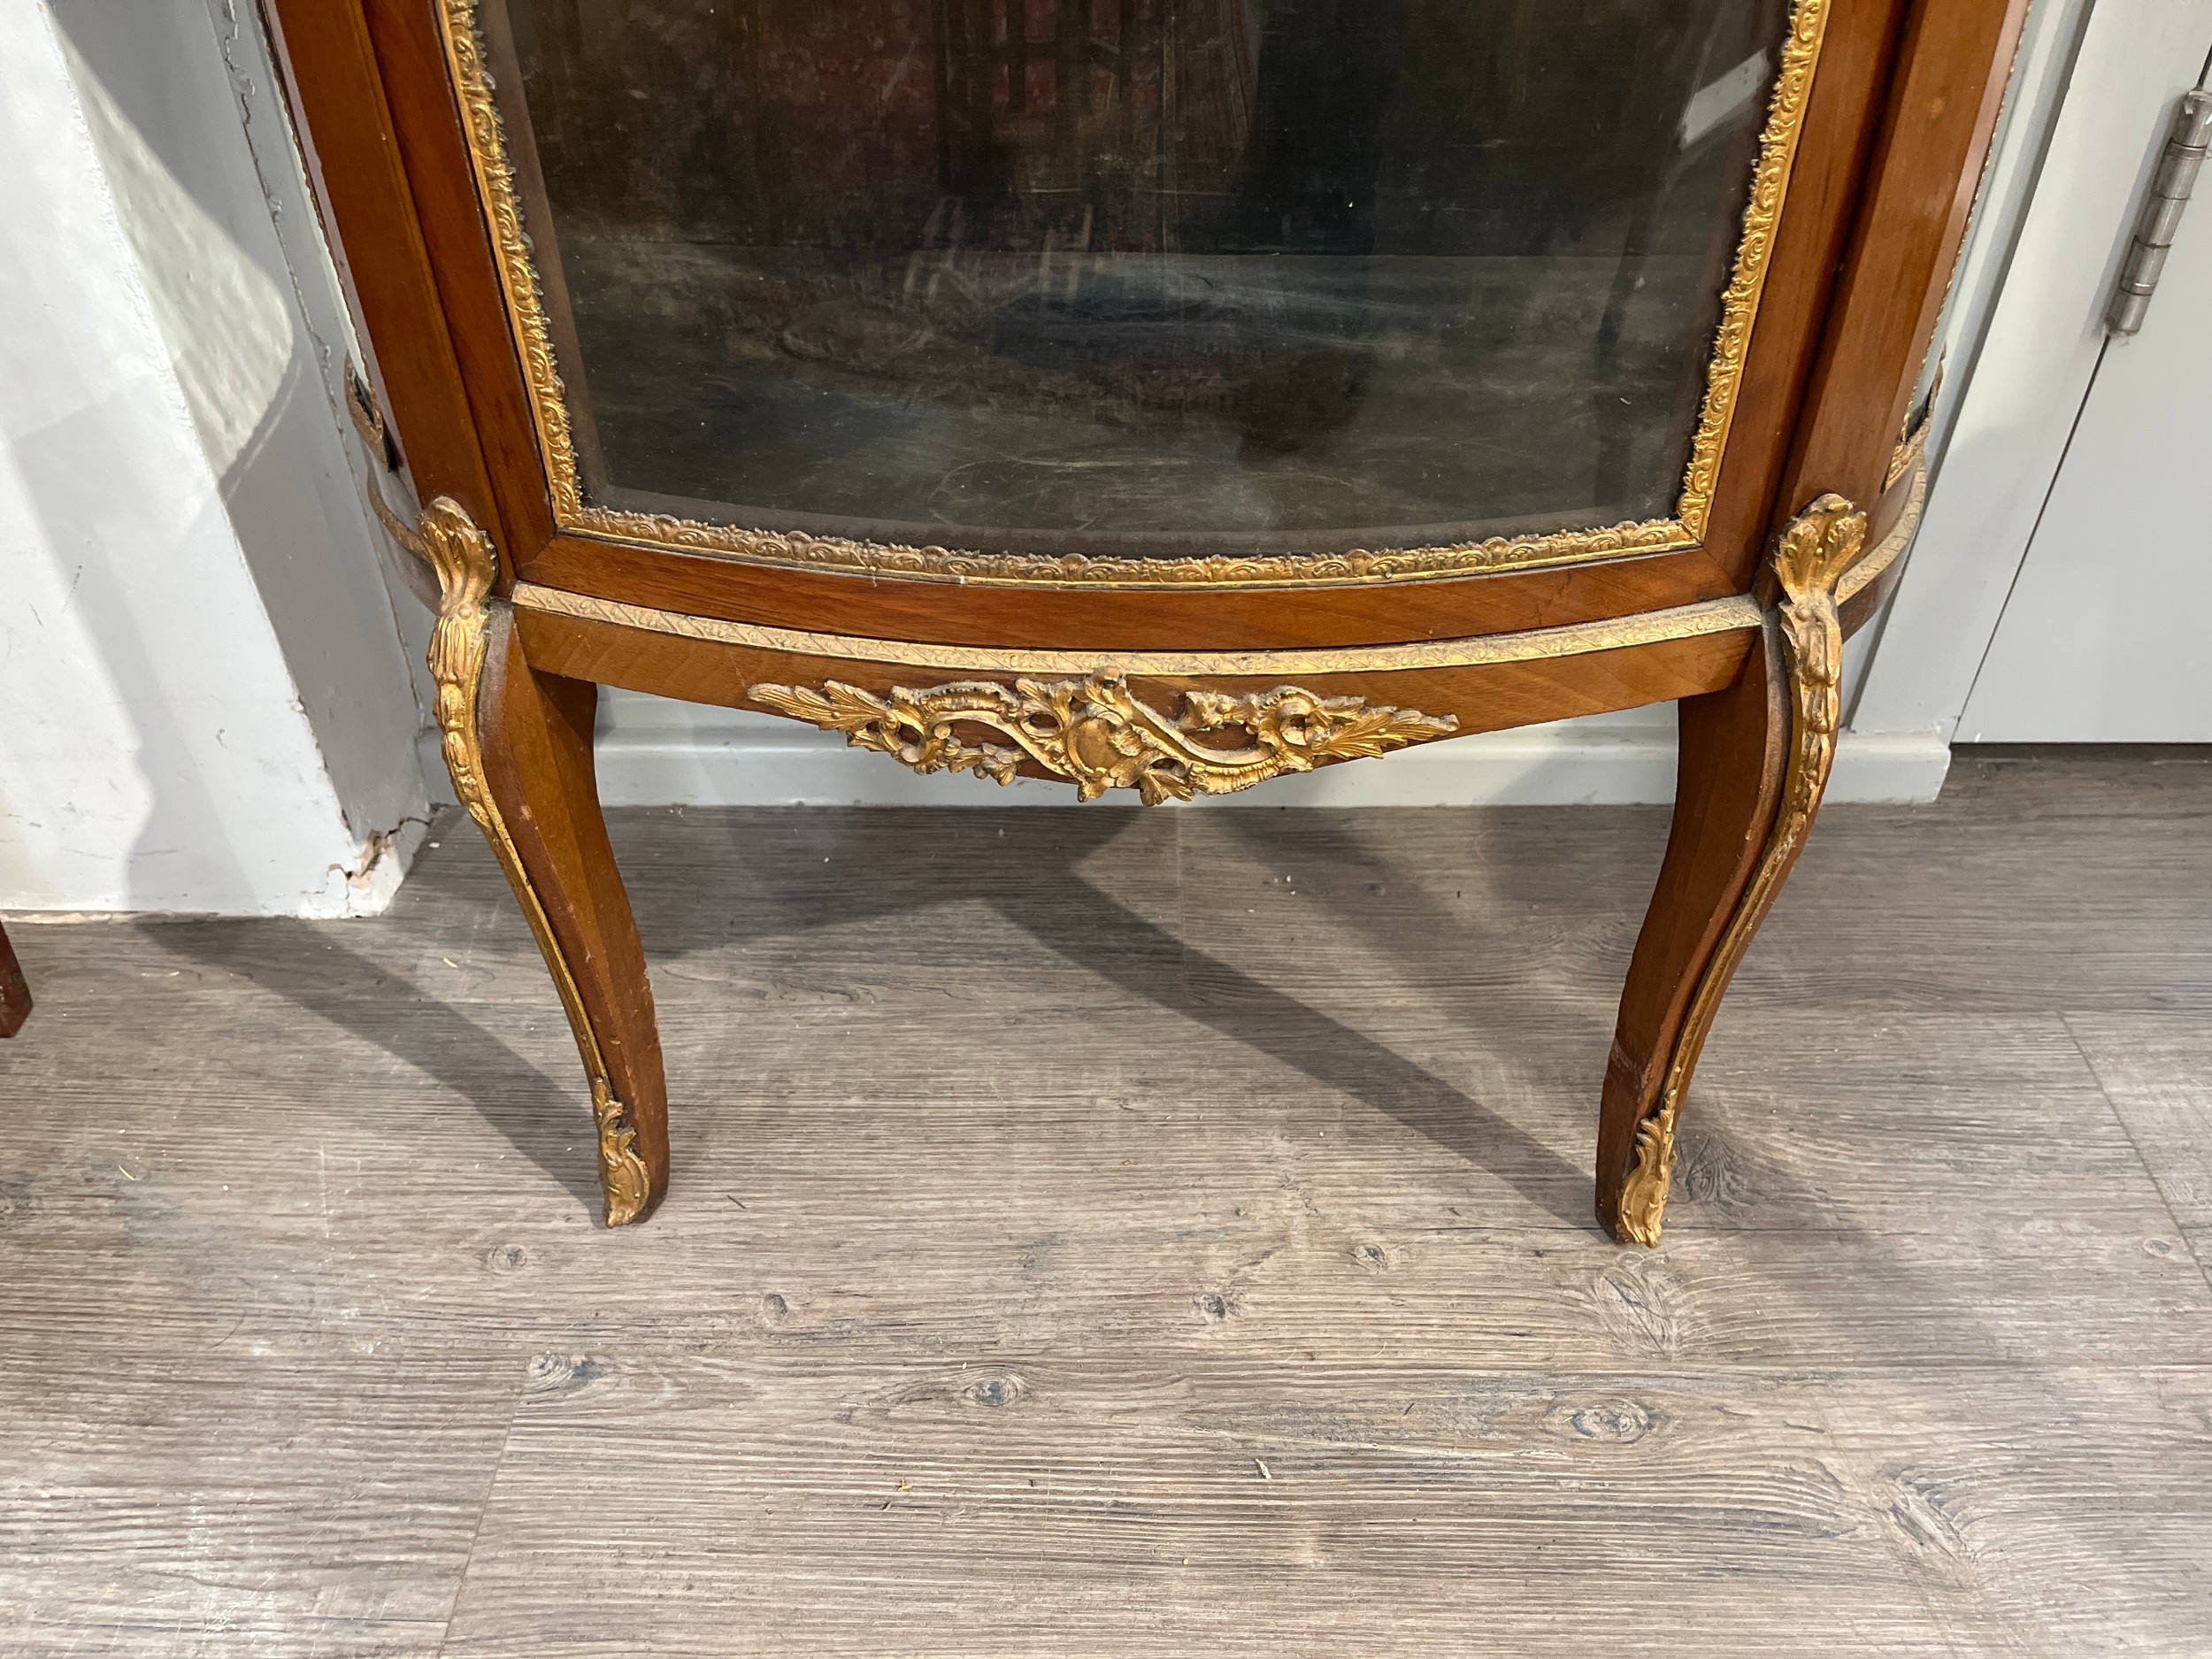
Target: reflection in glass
pixel 1136 276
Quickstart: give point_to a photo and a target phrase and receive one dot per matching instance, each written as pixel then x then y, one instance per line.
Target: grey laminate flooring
pixel 1099 1232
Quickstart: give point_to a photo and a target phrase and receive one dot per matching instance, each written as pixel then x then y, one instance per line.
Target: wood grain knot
pixel 506 1258
pixel 1621 1422
pixel 562 1373
pixel 997 1392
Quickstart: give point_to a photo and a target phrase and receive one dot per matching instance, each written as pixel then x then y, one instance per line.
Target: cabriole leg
pixel 518 745
pixel 1754 761
pixel 15 990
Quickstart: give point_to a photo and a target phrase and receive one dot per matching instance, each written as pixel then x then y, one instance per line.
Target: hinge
pixel 2155 225
pixel 368 417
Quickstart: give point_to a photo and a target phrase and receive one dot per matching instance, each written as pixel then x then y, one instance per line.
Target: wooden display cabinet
pixel 1160 395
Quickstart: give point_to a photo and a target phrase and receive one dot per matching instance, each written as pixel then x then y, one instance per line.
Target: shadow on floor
pixel 1094 932
pixel 704 882
pixel 298 960
pixel 1028 867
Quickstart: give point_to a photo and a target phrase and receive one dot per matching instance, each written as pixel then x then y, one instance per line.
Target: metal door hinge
pixel 2155 225
pixel 368 417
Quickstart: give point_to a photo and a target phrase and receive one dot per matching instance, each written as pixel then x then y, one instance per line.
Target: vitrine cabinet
pixel 1163 395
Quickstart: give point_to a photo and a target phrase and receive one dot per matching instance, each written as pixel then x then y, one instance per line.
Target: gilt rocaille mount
pixel 1812 557
pixel 585 530
pixel 466 565
pixel 1094 733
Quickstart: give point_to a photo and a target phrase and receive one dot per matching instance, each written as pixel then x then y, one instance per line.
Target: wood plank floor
pixel 1106 1232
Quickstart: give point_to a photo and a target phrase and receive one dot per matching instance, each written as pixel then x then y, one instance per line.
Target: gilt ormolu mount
pixel 1153 397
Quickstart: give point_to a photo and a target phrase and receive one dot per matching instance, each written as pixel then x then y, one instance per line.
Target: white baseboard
pixel 1889 766
pixel 365 886
pixel 652 753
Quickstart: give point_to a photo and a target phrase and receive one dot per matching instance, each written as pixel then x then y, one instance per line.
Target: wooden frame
pixel 1816 495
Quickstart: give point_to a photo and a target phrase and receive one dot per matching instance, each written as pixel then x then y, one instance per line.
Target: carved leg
pixel 518 745
pixel 15 990
pixel 1755 760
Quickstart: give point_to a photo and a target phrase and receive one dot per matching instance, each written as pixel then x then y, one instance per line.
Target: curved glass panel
pixel 1140 277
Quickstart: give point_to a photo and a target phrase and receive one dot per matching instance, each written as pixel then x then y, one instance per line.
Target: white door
pixel 2107 634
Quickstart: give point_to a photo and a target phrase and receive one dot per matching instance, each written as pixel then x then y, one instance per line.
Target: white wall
pixel 207 706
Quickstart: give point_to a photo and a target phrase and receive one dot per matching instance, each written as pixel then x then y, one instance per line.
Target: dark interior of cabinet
pixel 1136 273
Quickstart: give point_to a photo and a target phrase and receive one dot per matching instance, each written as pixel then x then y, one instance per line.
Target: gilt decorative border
pixel 1085 570
pixel 1762 222
pixel 1739 306
pixel 1735 613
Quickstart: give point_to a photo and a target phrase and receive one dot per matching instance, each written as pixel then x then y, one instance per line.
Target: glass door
pixel 1082 286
